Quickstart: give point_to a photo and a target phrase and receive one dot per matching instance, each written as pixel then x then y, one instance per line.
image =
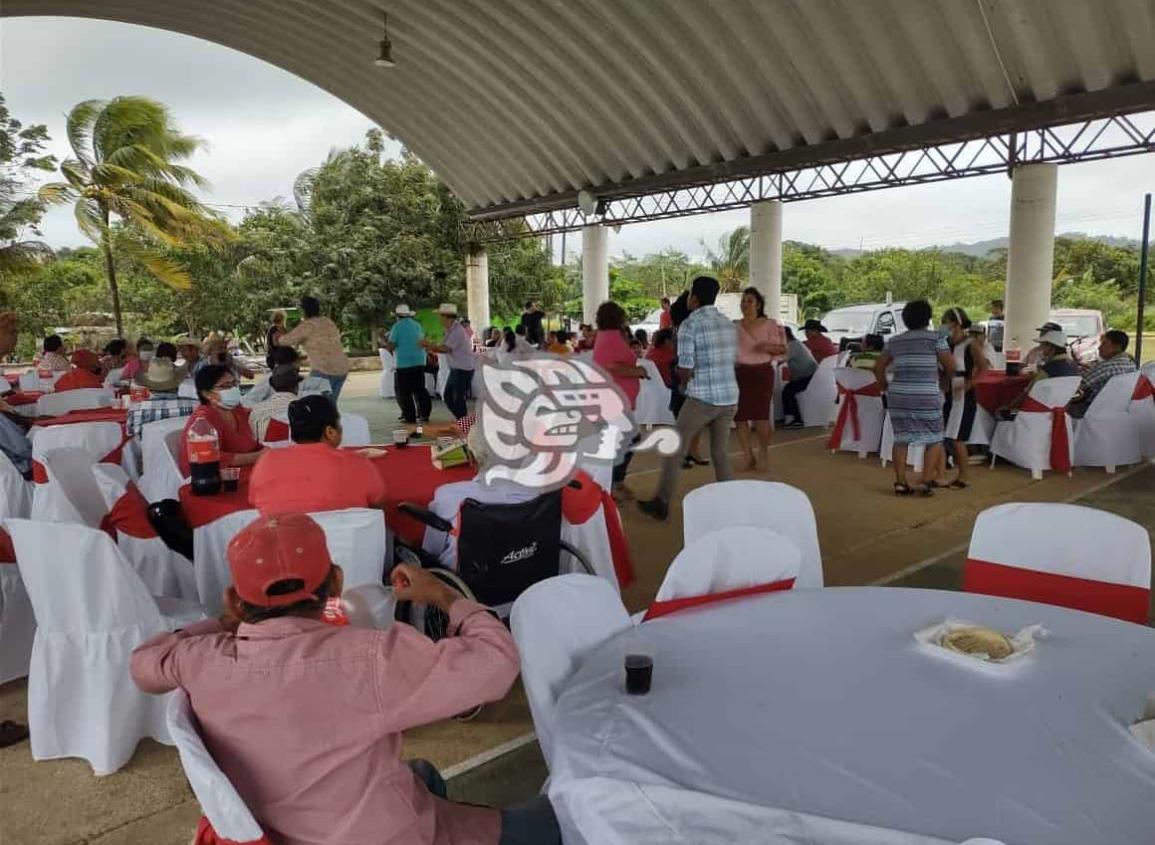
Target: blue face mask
pixel 230 397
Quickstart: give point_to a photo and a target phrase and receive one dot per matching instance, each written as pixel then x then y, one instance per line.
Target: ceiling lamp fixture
pixel 385 46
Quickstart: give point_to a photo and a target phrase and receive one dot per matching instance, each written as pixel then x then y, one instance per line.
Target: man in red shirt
pixel 305 717
pixel 817 342
pixel 86 371
pixel 314 474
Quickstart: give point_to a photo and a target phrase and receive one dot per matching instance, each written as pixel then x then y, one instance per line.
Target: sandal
pixel 957 484
pixel 903 489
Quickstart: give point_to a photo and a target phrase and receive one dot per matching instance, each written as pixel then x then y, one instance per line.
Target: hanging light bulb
pixel 385 46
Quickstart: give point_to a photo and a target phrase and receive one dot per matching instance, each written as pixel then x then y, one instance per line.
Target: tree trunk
pixel 110 272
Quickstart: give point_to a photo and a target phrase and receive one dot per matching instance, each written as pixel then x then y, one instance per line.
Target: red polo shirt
pixel 821 346
pixel 310 477
pixel 76 378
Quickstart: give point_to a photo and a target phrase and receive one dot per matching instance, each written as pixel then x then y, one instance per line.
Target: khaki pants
pixel 695 416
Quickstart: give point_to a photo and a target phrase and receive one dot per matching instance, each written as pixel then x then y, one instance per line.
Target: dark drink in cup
pixel 639 673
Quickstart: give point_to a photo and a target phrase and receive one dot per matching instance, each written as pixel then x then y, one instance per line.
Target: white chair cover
pixel 187 389
pixel 983 427
pixel 369 606
pixel 357 540
pixel 113 377
pixel 653 405
pixel 730 558
pixel 219 800
pixel 130 459
pixel 71 493
pixel 97 439
pixel 871 413
pixel 1026 440
pixel 210 557
pixel 386 389
pixel 92 611
pixel 816 402
pixel 761 504
pixel 81 399
pixel 1064 540
pixel 442 374
pixel 160 443
pixel 15 492
pixel 1143 413
pixel 554 623
pixel 163 571
pixel 17 625
pixel 355 430
pixel 915 454
pixel 29 381
pixel 1108 435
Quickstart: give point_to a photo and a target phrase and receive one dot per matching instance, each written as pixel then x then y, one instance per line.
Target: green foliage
pixel 21 153
pixel 731 262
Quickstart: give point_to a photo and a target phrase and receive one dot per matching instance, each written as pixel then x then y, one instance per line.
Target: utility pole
pixel 1143 249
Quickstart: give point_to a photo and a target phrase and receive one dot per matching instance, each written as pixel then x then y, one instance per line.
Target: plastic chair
pixel 163 571
pixel 92 610
pixel 354 430
pixel 1027 439
pixel 17 625
pixel 859 410
pixel 386 388
pixel 1065 555
pixel 210 557
pixel 761 504
pixel 732 561
pixel 653 405
pixel 915 454
pixel 1142 410
pixel 15 491
pixel 162 478
pixel 100 440
pixel 81 399
pixel 1108 435
pixel 69 492
pixel 555 622
pixel 816 402
pixel 29 381
pixel 357 539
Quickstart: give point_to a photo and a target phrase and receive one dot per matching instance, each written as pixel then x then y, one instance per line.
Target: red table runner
pixel 408 473
pixel 995 388
pixel 117 415
pixel 28 397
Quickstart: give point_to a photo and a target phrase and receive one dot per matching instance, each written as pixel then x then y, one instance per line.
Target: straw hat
pixel 402 310
pixel 447 309
pixel 161 375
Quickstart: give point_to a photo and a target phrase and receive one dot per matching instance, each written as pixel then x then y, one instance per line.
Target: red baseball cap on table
pixel 85 359
pixel 279 548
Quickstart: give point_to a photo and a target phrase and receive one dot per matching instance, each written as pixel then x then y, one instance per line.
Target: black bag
pixel 168 520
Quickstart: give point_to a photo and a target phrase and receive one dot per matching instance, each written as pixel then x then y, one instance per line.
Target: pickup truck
pixel 850 324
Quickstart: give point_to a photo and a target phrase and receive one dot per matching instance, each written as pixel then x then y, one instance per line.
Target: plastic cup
pixel 230 479
pixel 639 673
pixel 401 437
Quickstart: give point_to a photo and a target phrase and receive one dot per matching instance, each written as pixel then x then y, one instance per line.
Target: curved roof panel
pixel 518 104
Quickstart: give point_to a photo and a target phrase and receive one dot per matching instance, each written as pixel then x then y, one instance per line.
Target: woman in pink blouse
pixel 613 354
pixel 760 341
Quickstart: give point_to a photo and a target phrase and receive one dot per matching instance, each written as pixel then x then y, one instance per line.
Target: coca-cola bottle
pixel 204 457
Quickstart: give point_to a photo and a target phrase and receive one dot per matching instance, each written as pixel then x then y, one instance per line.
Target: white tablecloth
pixel 812 717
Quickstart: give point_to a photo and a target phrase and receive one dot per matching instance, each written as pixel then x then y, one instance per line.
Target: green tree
pixel 731 261
pixel 126 169
pixel 21 153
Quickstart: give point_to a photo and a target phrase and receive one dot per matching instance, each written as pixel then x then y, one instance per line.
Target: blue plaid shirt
pixel 159 406
pixel 708 345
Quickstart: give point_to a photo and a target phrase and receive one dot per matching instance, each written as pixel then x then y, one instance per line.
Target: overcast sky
pixel 264 126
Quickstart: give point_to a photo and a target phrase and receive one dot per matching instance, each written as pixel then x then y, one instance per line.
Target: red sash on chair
pixel 662 608
pixel 1060 443
pixel 129 516
pixel 1121 601
pixel 848 409
pixel 277 431
pixel 205 835
pixel 579 504
pixel 1144 389
pixel 7 550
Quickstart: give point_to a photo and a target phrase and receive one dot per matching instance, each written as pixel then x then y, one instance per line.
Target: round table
pixel 813 713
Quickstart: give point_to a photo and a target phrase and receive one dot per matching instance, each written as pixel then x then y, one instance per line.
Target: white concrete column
pixel 477 290
pixel 1031 257
pixel 766 253
pixel 595 270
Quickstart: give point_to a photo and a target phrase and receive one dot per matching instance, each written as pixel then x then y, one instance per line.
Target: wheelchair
pixel 502 549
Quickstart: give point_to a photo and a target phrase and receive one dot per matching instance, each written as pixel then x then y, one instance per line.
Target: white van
pixel 853 322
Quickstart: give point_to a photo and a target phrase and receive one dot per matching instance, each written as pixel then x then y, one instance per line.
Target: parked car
pixel 852 323
pixel 1083 328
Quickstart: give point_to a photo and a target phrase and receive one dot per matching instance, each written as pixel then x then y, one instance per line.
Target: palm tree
pixel 125 167
pixel 731 263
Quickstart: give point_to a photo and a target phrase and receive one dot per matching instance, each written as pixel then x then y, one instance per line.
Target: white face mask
pixel 146 355
pixel 230 397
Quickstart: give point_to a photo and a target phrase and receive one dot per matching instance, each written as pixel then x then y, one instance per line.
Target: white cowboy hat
pixel 402 310
pixel 161 375
pixel 1056 339
pixel 447 309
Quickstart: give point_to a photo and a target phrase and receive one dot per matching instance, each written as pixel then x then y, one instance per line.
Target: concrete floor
pixel 866 535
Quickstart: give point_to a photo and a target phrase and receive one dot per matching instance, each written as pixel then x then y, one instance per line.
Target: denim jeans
pixel 456 389
pixel 335 382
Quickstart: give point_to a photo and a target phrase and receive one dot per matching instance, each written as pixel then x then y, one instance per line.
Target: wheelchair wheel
pixel 431 621
pixel 577 554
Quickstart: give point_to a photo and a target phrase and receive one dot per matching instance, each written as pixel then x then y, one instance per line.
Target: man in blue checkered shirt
pixel 163 380
pixel 1113 361
pixel 707 353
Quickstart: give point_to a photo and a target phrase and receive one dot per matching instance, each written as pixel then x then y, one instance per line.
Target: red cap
pixel 277 548
pixel 85 359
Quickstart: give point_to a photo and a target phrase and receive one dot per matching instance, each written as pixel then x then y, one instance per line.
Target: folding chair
pixel 67 490
pixel 357 539
pixel 728 563
pixel 163 571
pixel 81 399
pixel 1065 555
pixel 1142 410
pixel 761 504
pixel 858 427
pixel 816 402
pixel 92 610
pixel 915 454
pixel 160 444
pixel 555 622
pixel 17 625
pixel 1039 437
pixel 101 440
pixel 1108 435
pixel 15 491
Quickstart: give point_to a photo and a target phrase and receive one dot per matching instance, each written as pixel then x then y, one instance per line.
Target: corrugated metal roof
pixel 520 103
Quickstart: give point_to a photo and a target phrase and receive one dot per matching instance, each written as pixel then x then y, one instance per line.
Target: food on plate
pixel 373 453
pixel 978 640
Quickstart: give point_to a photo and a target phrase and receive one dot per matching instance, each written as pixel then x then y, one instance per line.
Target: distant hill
pixel 981 248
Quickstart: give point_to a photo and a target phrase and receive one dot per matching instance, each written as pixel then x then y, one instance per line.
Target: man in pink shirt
pixel 305 718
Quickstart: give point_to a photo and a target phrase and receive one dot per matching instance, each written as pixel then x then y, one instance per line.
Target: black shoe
pixel 654 508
